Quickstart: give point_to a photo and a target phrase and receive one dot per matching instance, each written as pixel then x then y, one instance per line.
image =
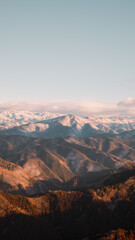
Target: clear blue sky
pixel 67 49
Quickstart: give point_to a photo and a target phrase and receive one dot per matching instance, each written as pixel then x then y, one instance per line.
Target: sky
pixel 67 50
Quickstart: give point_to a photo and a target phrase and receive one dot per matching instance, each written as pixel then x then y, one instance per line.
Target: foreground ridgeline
pixel 104 213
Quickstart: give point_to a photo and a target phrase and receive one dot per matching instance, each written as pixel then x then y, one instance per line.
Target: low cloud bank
pixel 125 108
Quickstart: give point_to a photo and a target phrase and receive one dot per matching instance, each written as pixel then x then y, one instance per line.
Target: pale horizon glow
pixel 84 108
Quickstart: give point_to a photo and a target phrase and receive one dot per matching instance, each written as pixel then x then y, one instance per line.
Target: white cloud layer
pixel 125 108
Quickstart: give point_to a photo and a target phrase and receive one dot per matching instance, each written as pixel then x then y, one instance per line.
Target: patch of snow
pixel 75 161
pixel 32 169
pixel 94 168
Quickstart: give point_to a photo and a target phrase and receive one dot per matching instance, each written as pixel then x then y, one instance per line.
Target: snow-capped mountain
pixel 52 125
pixel 11 119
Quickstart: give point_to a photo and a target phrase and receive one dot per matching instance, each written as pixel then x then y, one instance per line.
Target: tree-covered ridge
pixel 72 214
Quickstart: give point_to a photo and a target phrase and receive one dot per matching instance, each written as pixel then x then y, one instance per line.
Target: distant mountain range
pixel 11 119
pixel 52 125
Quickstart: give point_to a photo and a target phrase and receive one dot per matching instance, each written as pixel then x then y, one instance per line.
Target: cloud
pixel 125 108
pixel 128 102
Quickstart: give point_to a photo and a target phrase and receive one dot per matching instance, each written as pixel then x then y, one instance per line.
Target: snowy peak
pixel 52 125
pixel 70 120
pixel 12 119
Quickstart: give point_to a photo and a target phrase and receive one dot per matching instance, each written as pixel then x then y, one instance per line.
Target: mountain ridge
pixel 69 125
pixel 43 164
